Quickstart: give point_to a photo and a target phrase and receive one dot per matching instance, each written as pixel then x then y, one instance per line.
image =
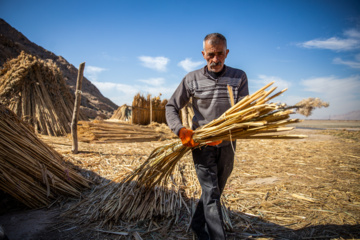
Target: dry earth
pixel 279 189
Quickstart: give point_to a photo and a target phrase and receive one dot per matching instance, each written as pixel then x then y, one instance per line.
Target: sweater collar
pixel 215 75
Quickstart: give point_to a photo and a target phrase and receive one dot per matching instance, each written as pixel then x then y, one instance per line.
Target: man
pixel 210 99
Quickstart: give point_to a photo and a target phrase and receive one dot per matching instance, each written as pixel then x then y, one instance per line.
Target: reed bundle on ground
pixel 30 170
pixel 110 132
pixel 137 195
pixel 36 91
pixel 146 110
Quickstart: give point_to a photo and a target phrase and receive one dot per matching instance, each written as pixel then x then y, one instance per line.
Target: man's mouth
pixel 213 64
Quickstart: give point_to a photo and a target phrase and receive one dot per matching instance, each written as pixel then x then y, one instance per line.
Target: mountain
pixel 354 115
pixel 93 103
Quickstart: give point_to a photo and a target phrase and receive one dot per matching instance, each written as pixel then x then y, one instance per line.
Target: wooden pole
pixel 150 110
pixel 75 116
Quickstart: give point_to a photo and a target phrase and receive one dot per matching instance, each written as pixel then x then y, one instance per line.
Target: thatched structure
pixel 148 110
pixel 36 91
pixel 123 113
pixel 30 170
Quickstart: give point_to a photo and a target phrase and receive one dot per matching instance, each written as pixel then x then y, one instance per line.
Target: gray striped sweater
pixel 210 96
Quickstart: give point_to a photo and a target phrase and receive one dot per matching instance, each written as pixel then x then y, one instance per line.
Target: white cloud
pixel 110 86
pixel 333 86
pixel 353 33
pixel 92 72
pixel 351 41
pixel 156 63
pixel 153 81
pixel 352 64
pixel 124 93
pixel 189 65
pixel 264 80
pixel 341 93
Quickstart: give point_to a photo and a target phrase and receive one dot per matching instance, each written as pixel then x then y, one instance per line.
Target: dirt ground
pixel 279 189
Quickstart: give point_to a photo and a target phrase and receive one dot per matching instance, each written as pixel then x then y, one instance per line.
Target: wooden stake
pixel 150 110
pixel 77 108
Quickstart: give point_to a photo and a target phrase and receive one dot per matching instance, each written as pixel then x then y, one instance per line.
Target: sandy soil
pixel 297 189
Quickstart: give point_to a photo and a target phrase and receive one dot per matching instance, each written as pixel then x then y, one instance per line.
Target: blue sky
pixel 310 47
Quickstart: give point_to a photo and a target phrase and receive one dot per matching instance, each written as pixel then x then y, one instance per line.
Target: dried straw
pixel 99 131
pixel 123 113
pixel 141 108
pixel 30 170
pixel 36 91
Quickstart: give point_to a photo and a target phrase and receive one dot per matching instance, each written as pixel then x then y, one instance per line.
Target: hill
pixel 354 115
pixel 12 42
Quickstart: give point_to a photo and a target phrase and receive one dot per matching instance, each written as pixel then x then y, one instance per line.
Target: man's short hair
pixel 215 39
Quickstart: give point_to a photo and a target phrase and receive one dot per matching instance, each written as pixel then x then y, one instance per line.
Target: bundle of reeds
pixel 30 170
pixel 137 195
pixel 123 113
pixel 36 91
pixel 99 131
pixel 187 114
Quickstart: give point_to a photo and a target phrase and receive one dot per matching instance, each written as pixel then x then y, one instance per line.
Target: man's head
pixel 215 51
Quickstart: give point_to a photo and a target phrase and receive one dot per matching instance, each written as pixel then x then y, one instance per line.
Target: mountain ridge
pixel 93 103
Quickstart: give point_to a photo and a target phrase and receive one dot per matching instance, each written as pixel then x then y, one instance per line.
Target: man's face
pixel 215 55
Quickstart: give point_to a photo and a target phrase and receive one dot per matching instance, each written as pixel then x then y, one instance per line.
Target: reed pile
pixel 123 113
pixel 145 108
pixel 99 131
pixel 36 91
pixel 30 170
pixel 146 192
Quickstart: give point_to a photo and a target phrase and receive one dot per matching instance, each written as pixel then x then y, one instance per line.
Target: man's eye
pixel 211 55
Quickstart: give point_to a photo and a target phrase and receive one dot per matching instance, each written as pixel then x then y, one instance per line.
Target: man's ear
pixel 203 53
pixel 227 52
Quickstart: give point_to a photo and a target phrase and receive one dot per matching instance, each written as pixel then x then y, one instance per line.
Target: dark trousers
pixel 213 167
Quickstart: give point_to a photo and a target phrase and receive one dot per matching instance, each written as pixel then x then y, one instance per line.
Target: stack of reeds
pixel 123 113
pixel 137 195
pixel 99 131
pixel 145 108
pixel 30 170
pixel 187 114
pixel 36 91
pixel 158 109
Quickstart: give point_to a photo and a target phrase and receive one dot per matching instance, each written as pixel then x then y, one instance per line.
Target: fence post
pixel 75 116
pixel 150 110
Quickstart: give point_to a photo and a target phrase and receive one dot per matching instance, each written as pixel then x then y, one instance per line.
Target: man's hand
pixel 214 143
pixel 186 137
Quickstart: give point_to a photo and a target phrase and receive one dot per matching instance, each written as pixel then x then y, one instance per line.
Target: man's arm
pixel 177 101
pixel 244 88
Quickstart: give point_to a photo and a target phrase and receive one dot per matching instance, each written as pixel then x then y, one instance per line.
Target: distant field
pixel 329 124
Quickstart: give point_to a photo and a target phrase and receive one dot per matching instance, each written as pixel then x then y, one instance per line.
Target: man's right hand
pixel 186 137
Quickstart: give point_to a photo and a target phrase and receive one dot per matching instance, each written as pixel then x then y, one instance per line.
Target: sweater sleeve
pixel 177 101
pixel 244 88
